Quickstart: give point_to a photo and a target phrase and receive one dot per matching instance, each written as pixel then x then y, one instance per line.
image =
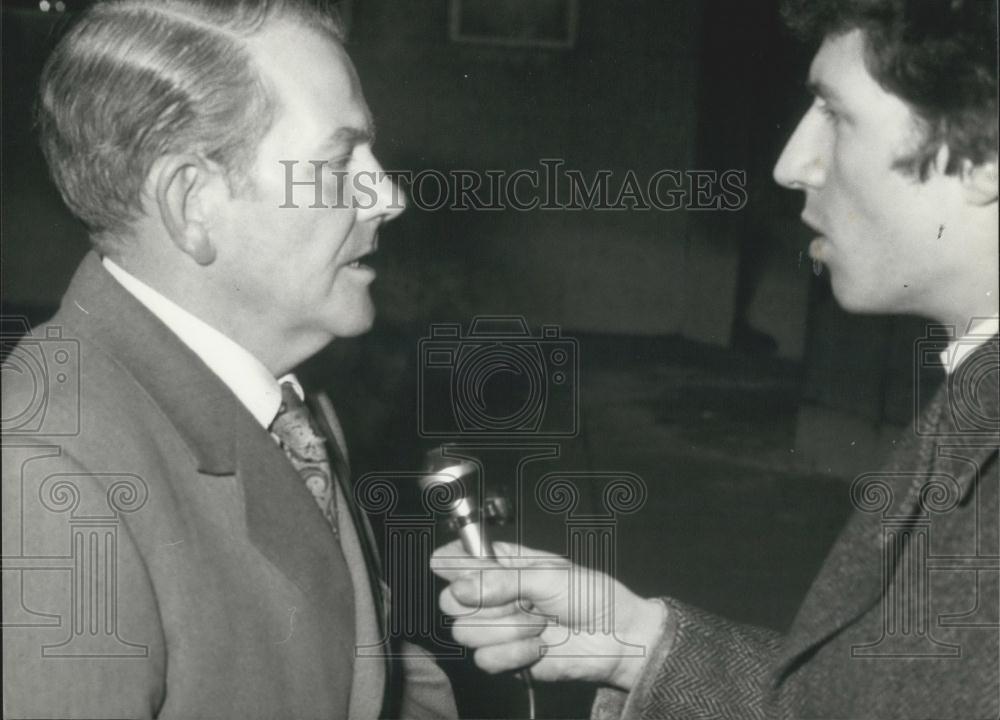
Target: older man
pixel 180 537
pixel 897 158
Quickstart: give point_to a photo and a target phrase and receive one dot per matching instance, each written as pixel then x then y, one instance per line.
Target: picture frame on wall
pixel 515 23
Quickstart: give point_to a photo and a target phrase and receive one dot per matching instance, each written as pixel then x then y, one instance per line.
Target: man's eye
pixel 828 112
pixel 341 162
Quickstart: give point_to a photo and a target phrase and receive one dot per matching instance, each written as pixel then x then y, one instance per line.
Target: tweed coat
pixel 162 558
pixel 902 620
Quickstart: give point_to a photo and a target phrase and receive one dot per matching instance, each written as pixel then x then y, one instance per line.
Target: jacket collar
pixel 246 376
pixel 194 398
pixel 936 468
pixel 224 438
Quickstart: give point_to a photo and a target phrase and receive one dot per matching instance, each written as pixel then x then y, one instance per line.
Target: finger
pixel 488 588
pixel 451 606
pixel 477 633
pixel 454 555
pixel 536 584
pixel 452 549
pixel 451 562
pixel 514 555
pixel 509 656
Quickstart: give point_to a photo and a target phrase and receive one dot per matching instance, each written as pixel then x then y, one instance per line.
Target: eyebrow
pixel 822 90
pixel 351 136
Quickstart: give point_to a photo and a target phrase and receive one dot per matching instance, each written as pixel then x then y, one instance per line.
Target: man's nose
pixel 383 199
pixel 803 162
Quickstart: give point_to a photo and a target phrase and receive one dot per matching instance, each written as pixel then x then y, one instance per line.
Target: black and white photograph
pixel 500 359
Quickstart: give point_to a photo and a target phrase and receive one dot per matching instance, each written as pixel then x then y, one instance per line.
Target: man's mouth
pixel 819 247
pixel 361 261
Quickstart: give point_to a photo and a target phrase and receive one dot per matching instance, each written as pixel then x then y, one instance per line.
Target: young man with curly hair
pixel 897 159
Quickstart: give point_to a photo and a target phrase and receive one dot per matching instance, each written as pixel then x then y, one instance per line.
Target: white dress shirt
pixel 251 382
pixel 980 330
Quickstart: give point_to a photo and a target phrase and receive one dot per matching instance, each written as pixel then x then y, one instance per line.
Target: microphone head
pixel 441 469
pixel 458 478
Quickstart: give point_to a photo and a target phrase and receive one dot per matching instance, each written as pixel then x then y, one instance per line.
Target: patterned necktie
pixel 305 446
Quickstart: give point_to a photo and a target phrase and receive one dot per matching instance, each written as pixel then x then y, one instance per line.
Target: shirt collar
pixel 980 330
pixel 252 383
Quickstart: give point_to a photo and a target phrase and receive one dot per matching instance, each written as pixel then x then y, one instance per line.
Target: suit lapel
pixel 223 436
pixel 283 521
pixel 373 677
pixel 323 411
pixel 968 434
pixel 849 583
pixel 934 470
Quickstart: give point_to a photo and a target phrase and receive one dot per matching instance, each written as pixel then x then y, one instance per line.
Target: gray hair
pixel 135 80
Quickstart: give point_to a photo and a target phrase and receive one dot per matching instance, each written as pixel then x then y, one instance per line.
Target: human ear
pixel 979 182
pixel 180 184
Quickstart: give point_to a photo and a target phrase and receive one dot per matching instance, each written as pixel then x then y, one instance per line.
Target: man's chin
pixel 854 299
pixel 357 325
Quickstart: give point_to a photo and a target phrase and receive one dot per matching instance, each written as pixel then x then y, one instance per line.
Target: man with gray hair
pixel 184 531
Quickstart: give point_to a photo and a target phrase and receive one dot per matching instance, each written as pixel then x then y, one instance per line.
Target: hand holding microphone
pixel 513 604
pixel 467 519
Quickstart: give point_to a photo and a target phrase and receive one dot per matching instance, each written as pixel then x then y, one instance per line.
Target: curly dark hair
pixel 939 56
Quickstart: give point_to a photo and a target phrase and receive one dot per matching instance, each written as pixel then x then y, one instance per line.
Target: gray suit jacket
pixel 903 619
pixel 161 556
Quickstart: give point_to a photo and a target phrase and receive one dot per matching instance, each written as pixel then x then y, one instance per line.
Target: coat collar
pixel 224 438
pixel 935 468
pixel 199 404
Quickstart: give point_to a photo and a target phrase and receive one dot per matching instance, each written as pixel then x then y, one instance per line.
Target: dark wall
pixel 621 99
pixel 41 241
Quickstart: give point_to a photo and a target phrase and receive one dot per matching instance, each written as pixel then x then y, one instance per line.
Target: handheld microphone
pixel 468 512
pixel 465 510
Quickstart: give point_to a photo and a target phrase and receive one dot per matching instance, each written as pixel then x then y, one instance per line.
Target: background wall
pixel 642 90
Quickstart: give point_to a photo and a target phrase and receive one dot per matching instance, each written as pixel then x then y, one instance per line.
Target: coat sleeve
pixel 706 667
pixel 427 693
